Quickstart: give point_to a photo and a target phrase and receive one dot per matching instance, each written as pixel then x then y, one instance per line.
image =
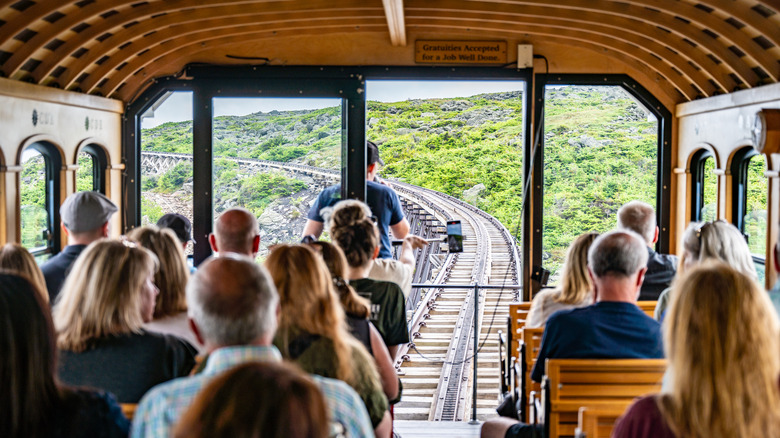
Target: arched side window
pixel 704 193
pixel 750 202
pixel 91 175
pixel 39 192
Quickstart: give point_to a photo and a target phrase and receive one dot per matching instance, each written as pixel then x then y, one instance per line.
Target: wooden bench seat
pixel 571 384
pixel 647 306
pixel 598 422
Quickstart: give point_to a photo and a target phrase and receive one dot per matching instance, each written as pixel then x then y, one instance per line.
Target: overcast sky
pixel 178 107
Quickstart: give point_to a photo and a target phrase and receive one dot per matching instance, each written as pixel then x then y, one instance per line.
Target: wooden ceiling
pixel 684 49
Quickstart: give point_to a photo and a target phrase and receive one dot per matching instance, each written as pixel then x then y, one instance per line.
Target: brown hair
pixel 334 259
pixel 575 281
pixel 308 303
pixel 16 259
pixel 354 232
pixel 722 339
pixel 27 359
pixel 102 296
pixel 270 400
pixel 172 277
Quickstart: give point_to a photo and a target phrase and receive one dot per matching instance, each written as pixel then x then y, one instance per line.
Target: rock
pixel 427 115
pixel 471 195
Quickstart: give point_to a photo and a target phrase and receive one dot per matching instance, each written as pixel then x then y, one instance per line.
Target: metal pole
pixel 476 346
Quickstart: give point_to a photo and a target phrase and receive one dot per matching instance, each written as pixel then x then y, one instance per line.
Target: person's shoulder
pixel 336 390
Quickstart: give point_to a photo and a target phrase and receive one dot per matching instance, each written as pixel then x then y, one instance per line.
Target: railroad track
pixel 437 367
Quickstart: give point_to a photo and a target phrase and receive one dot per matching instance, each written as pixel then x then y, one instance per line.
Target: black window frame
pixel 52 167
pixel 739 180
pixel 698 176
pixel 99 166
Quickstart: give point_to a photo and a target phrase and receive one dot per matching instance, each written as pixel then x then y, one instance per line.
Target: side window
pixel 92 164
pixel 704 196
pixel 750 202
pixel 39 195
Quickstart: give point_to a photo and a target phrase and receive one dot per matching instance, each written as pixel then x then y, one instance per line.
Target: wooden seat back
pixel 594 383
pixel 129 410
pixel 532 340
pixel 598 422
pixel 648 307
pixel 517 315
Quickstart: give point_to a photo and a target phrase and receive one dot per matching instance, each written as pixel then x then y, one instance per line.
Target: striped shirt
pixel 163 405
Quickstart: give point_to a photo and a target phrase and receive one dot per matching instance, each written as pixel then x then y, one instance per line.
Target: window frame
pixel 99 165
pixel 739 184
pixel 697 182
pixel 52 167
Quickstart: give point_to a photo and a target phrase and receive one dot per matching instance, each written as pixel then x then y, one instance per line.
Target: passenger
pixel 397 271
pixel 639 217
pixel 170 310
pixel 32 403
pixel 312 331
pixel 182 227
pixel 100 318
pixel 233 308
pixel 273 400
pixel 382 200
pixel 718 240
pixel 15 259
pixel 357 236
pixel 85 218
pixel 357 310
pixel 576 289
pixel 721 339
pixel 613 328
pixel 236 231
pixel 774 293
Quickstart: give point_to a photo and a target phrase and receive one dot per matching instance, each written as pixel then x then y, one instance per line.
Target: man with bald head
pixel 612 328
pixel 233 307
pixel 236 231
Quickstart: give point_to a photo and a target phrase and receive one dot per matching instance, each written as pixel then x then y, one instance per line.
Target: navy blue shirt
pixel 58 267
pixel 605 330
pixel 383 202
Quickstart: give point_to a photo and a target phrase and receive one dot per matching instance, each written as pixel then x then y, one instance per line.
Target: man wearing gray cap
pixel 85 218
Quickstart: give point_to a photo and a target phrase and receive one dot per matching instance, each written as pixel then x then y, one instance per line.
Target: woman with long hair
pixel 104 303
pixel 575 290
pixel 357 310
pixel 312 331
pixel 717 240
pixel 257 399
pixel 170 309
pixel 722 340
pixel 32 403
pixel 16 259
pixel 357 235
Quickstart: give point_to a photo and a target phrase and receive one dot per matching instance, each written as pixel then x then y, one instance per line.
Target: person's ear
pixel 595 285
pixel 370 168
pixel 376 253
pixel 196 331
pixel 213 242
pixel 104 229
pixel 776 261
pixel 655 237
pixel 64 229
pixel 256 244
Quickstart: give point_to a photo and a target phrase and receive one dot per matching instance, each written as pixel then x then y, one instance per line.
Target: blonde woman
pixel 575 290
pixel 14 258
pixel 312 331
pixel 717 240
pixel 170 310
pixel 99 318
pixel 727 386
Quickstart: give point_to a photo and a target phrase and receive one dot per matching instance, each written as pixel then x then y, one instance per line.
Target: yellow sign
pixel 460 52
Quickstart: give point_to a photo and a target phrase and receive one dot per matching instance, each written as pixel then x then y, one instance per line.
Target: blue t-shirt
pixel 382 200
pixel 605 330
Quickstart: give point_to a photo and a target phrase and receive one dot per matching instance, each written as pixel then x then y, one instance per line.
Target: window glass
pixel 166 159
pixel 249 132
pixel 85 175
pixel 35 222
pixel 755 222
pixel 600 151
pixel 709 209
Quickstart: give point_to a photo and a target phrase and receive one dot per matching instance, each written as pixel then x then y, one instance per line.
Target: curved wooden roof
pixel 683 49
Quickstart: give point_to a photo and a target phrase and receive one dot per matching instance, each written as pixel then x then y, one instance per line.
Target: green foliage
pixel 175 177
pixel 150 211
pixel 84 176
pixel 257 191
pixel 32 191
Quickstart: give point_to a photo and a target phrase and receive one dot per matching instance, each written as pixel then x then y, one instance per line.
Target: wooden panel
pixel 517 316
pixel 648 307
pixel 596 422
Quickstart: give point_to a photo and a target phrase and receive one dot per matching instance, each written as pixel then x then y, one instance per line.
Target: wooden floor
pixel 427 429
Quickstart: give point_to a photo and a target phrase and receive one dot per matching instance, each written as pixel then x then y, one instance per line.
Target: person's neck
pixel 262 342
pixel 616 289
pixel 360 271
